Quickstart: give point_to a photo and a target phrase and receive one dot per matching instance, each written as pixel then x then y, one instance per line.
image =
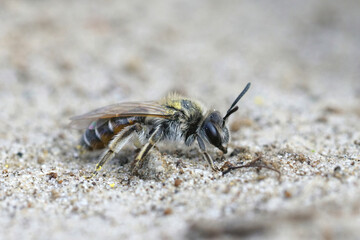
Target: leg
pixel 154 138
pixel 206 155
pixel 116 145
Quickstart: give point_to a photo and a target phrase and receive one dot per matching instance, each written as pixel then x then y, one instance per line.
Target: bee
pixel 174 118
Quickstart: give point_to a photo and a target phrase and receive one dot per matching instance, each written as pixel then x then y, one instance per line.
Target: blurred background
pixel 64 57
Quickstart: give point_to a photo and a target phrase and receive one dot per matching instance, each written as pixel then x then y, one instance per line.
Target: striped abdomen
pixel 100 132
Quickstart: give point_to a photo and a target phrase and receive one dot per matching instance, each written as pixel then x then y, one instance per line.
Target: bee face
pixel 215 131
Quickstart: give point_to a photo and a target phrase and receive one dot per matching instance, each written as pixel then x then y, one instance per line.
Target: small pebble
pixel 168 211
pixel 177 182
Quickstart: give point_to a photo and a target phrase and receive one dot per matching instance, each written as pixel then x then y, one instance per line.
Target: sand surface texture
pixel 297 129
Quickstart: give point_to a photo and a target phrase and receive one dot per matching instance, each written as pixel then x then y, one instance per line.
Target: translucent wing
pixel 125 109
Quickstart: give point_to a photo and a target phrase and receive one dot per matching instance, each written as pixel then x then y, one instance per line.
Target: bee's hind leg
pixel 154 138
pixel 117 144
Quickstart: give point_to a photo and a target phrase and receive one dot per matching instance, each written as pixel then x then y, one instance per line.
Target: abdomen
pixel 100 132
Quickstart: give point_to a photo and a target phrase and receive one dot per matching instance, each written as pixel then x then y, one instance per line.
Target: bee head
pixel 215 131
pixel 214 128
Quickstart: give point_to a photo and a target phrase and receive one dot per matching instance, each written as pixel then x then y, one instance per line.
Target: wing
pixel 125 109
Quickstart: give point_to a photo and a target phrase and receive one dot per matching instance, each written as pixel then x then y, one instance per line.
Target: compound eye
pixel 212 134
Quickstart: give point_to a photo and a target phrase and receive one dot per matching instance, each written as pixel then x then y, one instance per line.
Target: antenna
pixel 234 108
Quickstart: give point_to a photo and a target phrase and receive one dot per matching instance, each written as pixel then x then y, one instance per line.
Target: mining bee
pixel 173 118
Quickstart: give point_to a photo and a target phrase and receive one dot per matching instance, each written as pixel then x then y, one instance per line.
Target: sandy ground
pixel 300 117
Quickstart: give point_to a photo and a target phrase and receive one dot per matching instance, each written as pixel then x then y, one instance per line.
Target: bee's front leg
pixel 154 138
pixel 211 162
pixel 206 155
